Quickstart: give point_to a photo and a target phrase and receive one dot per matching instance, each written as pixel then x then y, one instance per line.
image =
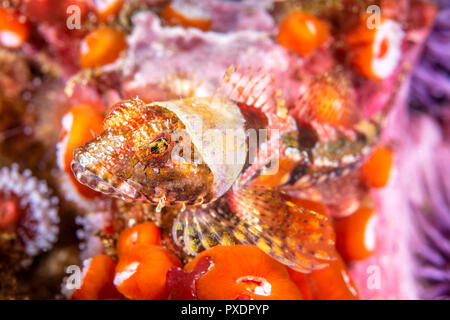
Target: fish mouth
pixel 99 179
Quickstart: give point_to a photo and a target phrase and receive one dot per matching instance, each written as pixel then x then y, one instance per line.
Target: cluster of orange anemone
pixel 146 270
pixel 374 44
pixel 104 44
pixel 15 27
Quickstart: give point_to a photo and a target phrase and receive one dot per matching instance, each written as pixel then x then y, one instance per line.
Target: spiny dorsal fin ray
pixel 260 101
pixel 250 86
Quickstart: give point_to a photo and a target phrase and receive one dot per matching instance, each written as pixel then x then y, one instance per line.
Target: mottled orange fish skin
pixel 132 159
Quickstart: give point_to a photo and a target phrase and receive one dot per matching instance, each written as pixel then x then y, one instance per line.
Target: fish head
pixel 172 151
pixel 144 154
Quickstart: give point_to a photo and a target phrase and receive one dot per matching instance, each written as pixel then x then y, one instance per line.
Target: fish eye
pixel 159 146
pixel 152 152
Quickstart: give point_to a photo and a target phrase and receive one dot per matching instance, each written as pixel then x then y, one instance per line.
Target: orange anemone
pixel 14 31
pixel 302 32
pixel 375 172
pixel 330 283
pixel 355 234
pixel 106 9
pixel 375 46
pixel 79 125
pixel 101 46
pixel 97 283
pixel 143 233
pixel 243 272
pixel 141 272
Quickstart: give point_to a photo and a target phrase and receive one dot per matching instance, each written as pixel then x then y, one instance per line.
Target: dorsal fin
pixel 259 99
pixel 252 87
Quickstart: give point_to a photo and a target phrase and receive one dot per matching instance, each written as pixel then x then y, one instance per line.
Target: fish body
pixel 198 156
